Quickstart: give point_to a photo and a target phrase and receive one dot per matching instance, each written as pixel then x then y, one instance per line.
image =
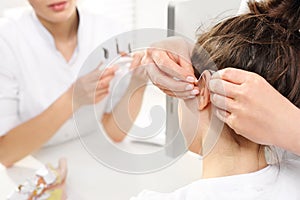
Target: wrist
pixel 294 131
pixel 69 99
pixel 288 134
pixel 140 78
pixel 137 82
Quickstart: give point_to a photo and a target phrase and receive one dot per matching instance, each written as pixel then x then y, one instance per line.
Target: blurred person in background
pixel 42 53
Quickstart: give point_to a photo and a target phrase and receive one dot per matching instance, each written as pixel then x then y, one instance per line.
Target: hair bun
pixel 285 12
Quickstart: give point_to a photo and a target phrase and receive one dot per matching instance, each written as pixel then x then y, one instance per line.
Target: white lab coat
pixel 33 73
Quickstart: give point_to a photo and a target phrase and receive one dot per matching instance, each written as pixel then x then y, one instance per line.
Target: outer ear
pixel 204 94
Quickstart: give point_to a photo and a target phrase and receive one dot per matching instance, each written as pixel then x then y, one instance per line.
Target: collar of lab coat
pixel 48 36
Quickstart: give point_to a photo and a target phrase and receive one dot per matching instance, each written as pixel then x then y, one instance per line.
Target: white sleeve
pixel 119 84
pixel 9 89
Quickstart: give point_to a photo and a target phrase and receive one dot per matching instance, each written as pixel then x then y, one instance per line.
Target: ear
pixel 204 94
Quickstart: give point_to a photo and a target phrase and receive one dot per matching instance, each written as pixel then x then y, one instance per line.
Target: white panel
pixel 191 14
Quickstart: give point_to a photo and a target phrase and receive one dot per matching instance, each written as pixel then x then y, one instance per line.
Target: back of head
pixel 265 41
pixel 284 12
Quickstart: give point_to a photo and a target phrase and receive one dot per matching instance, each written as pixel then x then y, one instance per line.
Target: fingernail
pixel 213 97
pixel 189 87
pixel 191 97
pixel 194 92
pixel 215 75
pixel 211 85
pixel 190 79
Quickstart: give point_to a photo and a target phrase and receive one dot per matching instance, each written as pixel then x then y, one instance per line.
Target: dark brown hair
pixel 265 41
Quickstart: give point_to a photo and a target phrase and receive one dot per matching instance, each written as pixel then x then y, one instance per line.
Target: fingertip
pixel 219 116
pixel 189 87
pixel 191 79
pixel 190 97
pixel 232 75
pixel 216 75
pixel 211 85
pixel 212 97
pixel 223 73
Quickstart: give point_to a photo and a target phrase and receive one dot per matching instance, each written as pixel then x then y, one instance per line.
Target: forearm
pixel 289 139
pixel 118 123
pixel 31 135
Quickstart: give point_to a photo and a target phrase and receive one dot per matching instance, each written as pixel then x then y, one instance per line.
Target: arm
pixel 120 120
pixel 254 109
pixel 31 135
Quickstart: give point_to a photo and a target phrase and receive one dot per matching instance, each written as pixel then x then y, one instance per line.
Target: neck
pixel 63 31
pixel 230 157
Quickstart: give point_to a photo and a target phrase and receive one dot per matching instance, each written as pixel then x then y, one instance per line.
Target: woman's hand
pixel 92 88
pixel 169 67
pixel 254 109
pixel 139 70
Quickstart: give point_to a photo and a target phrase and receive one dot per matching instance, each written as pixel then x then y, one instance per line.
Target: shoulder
pixel 12 30
pixel 13 24
pixel 290 168
pixel 288 179
pixel 7 27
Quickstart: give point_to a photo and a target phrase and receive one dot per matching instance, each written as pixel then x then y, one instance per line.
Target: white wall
pixel 151 14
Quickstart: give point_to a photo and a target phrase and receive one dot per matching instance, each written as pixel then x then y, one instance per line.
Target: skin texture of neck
pixel 64 34
pixel 233 156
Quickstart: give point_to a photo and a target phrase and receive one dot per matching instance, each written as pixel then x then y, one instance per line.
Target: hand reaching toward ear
pixel 93 87
pixel 254 109
pixel 169 67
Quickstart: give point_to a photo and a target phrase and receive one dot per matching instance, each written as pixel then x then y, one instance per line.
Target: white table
pixel 88 179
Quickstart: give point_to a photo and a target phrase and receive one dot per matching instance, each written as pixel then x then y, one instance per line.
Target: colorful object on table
pixel 38 187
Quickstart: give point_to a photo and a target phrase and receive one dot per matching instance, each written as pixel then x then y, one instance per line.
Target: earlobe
pixel 204 93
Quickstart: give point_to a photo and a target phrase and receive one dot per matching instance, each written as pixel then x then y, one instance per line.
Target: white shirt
pixel 33 73
pixel 271 183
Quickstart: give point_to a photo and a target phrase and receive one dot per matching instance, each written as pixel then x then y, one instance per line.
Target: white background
pixel 133 13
